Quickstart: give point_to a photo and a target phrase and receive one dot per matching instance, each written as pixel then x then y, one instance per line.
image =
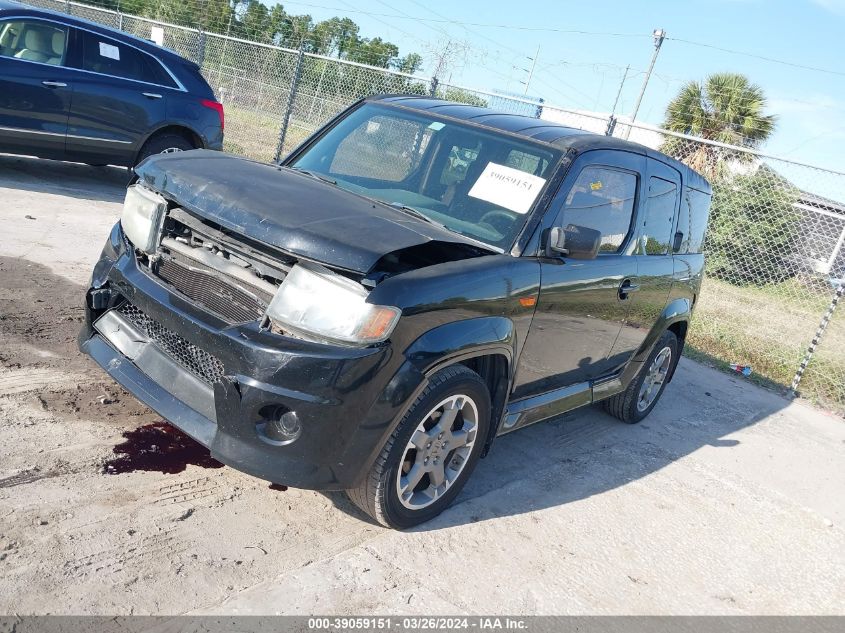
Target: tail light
pixel 217 107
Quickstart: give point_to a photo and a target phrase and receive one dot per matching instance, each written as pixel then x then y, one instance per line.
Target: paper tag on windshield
pixel 507 187
pixel 110 51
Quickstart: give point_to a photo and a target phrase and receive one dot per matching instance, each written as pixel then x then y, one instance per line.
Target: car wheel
pixel 637 401
pixel 430 455
pixel 164 144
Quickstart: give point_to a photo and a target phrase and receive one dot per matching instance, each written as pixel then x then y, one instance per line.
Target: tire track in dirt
pixel 117 558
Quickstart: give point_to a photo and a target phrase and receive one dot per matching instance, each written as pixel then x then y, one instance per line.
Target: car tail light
pixel 218 107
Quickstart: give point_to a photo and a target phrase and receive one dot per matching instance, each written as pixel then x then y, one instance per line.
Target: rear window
pixel 109 57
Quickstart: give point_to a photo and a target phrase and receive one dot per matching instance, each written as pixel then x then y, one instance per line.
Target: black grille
pixel 197 361
pixel 207 289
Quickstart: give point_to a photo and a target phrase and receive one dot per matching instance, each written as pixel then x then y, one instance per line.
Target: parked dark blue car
pixel 74 90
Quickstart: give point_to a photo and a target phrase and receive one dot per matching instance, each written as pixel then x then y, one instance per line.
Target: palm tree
pixel 726 108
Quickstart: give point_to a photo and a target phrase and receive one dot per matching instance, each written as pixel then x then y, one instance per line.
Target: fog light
pixel 279 425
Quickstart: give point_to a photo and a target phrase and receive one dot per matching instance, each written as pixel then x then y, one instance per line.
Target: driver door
pixel 583 304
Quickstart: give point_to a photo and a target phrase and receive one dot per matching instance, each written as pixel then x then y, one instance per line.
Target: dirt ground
pixel 727 499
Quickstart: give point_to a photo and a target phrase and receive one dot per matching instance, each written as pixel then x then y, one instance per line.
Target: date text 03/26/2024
pixel 480 623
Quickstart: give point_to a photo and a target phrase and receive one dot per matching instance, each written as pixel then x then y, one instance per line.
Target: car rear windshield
pixel 471 180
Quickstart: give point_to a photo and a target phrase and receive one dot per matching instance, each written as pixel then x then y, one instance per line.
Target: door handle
pixel 54 84
pixel 626 288
pixel 151 95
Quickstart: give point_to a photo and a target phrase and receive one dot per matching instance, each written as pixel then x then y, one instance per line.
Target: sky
pixel 584 70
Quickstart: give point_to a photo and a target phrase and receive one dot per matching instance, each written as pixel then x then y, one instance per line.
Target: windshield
pixel 472 181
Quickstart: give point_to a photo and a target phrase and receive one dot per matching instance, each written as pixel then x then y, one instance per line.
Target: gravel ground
pixel 727 499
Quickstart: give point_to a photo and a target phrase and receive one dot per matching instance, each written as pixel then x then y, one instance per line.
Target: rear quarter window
pixel 106 56
pixel 659 216
pixel 692 222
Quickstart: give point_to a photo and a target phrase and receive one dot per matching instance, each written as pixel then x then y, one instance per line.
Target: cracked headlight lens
pixel 143 212
pixel 317 303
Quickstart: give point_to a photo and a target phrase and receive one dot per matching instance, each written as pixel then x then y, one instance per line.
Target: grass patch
pixel 256 134
pixel 769 329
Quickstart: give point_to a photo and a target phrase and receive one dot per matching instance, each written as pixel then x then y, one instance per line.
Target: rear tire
pixel 637 401
pixel 164 144
pixel 431 454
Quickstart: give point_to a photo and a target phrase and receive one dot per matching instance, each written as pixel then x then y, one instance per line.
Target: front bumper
pixel 345 399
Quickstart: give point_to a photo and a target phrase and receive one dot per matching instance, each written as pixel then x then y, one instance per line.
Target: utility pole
pixel 611 121
pixel 659 35
pixel 531 70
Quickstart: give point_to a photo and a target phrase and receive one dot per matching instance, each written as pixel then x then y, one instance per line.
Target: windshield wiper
pixel 416 213
pixel 315 174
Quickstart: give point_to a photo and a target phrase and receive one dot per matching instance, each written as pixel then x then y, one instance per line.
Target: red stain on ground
pixel 158 447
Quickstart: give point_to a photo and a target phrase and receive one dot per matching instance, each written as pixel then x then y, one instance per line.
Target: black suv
pixel 414 280
pixel 74 90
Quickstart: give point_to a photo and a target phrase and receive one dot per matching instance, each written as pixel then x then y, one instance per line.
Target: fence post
pixel 432 90
pixel 68 8
pixel 611 126
pixel 815 342
pixel 119 21
pixel 200 47
pixel 294 84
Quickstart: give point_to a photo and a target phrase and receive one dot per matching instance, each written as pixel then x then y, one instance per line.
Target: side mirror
pixel 577 242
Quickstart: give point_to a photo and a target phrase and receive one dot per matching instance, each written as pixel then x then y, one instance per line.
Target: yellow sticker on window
pixel 595 186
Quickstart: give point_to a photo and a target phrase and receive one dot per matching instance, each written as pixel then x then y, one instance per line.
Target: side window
pixel 34 41
pixel 692 222
pixel 109 57
pixel 383 148
pixel 659 216
pixel 602 199
pixel 458 163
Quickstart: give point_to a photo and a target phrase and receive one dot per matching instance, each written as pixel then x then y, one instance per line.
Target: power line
pixel 511 27
pixel 756 56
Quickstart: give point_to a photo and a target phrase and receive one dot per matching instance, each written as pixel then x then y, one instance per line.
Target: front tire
pixel 431 454
pixel 637 401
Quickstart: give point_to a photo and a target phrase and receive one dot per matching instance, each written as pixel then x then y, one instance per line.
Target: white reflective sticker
pixel 436 126
pixel 507 187
pixel 110 51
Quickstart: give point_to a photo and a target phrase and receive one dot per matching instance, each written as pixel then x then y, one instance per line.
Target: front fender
pixel 437 348
pixel 460 340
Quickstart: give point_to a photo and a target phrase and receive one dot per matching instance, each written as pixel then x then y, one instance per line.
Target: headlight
pixel 143 211
pixel 314 301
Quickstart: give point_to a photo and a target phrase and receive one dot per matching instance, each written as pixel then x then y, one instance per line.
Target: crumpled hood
pixel 291 211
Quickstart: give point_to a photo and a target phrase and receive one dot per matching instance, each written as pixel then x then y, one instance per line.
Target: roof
pixel 820 202
pixel 150 47
pixel 538 130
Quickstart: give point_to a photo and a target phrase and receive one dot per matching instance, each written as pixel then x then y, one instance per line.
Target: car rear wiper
pixel 315 174
pixel 416 213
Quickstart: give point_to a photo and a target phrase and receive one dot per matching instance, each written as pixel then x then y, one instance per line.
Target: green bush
pixel 753 228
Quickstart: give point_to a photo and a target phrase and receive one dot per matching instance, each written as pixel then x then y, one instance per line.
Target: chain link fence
pixel 776 242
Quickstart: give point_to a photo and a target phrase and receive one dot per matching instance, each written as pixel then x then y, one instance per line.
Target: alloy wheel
pixel 656 376
pixel 437 452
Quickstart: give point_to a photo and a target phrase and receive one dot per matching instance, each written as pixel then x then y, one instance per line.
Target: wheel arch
pixel 675 317
pixel 486 345
pixel 189 134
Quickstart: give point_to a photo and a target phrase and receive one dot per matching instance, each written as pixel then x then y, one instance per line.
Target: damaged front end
pixel 286 382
